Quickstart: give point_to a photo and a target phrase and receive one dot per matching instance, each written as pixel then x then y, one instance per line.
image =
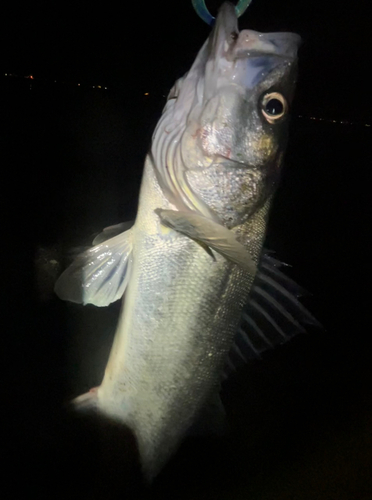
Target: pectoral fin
pixel 99 275
pixel 209 233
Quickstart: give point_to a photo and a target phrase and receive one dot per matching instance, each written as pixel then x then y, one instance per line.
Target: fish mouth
pixel 230 43
pixel 252 44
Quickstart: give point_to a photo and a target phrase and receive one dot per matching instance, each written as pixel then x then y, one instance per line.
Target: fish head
pixel 227 121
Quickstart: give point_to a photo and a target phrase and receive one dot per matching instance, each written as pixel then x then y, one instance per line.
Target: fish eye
pixel 274 106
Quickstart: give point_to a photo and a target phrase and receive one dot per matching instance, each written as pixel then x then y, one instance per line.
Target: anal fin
pixel 211 420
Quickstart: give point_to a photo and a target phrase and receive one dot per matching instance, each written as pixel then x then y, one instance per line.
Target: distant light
pixel 146 93
pixel 300 116
pixel 106 88
pixel 78 84
pixel 334 121
pixel 99 86
pixel 55 81
pixel 94 86
pixel 6 74
pixel 367 125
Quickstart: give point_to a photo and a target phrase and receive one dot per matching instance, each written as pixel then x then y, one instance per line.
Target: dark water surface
pixel 301 419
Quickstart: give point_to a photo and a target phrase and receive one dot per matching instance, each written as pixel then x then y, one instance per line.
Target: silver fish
pixel 188 264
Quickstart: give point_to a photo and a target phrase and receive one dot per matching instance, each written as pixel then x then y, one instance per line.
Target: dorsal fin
pixel 272 316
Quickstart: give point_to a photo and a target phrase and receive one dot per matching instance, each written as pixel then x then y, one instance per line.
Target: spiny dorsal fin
pixel 272 316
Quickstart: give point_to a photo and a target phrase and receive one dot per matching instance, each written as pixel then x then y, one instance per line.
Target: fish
pixel 199 292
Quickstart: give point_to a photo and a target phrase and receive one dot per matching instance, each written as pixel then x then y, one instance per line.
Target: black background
pixel 301 418
pixel 146 45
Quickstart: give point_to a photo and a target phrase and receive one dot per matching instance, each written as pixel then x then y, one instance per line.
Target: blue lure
pixel 203 12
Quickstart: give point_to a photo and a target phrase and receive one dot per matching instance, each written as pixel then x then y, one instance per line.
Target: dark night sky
pixel 138 49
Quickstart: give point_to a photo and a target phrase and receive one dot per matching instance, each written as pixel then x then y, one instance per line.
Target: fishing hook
pixel 203 12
